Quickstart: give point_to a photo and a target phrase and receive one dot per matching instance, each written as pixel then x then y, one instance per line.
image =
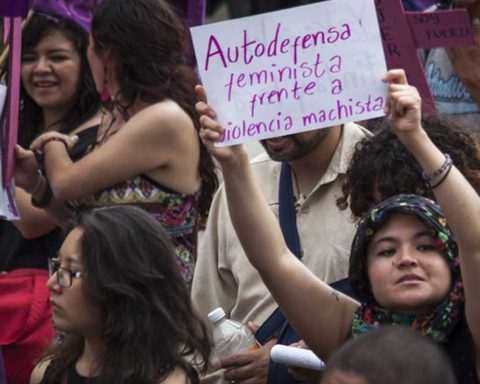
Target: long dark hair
pixel 87 102
pixel 132 276
pixel 149 44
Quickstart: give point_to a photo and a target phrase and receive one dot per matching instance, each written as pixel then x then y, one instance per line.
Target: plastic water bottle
pixel 230 336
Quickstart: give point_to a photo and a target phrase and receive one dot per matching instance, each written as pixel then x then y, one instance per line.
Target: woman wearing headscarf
pixel 408 265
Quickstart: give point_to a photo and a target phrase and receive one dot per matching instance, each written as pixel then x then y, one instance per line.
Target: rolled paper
pixel 196 12
pixel 400 49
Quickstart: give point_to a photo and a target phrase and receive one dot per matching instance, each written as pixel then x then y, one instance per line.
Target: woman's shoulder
pixel 164 123
pixel 39 371
pixel 167 114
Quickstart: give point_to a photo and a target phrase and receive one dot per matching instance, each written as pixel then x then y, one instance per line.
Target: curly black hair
pixel 381 166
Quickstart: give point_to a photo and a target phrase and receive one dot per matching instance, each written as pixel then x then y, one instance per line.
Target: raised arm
pixel 149 143
pixel 458 200
pixel 321 315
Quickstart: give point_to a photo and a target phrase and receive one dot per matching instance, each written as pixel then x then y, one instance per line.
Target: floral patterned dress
pixel 175 211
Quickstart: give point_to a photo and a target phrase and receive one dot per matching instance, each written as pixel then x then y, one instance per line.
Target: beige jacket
pixel 223 275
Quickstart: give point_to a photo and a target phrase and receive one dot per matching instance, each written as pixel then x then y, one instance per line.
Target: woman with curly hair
pixel 147 151
pixel 381 166
pixel 119 298
pixel 411 263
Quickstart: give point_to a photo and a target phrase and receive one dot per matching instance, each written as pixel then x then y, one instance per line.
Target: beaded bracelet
pixel 50 139
pixel 430 176
pixel 443 177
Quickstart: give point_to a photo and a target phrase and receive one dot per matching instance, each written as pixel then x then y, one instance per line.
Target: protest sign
pixel 404 32
pixel 8 209
pixel 290 71
pixel 446 28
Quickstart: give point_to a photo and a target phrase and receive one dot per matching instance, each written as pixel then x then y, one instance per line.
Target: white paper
pixel 8 209
pixel 294 70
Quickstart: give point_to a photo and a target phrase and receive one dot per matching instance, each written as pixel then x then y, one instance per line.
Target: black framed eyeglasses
pixel 64 276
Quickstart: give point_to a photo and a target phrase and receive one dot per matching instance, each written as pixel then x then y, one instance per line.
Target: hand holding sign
pixel 404 32
pixel 211 131
pixel 290 71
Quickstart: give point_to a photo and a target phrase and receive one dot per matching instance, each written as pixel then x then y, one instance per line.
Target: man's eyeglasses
pixel 64 276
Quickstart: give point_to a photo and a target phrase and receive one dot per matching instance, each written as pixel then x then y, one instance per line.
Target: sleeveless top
pixel 176 212
pixel 16 251
pixel 74 378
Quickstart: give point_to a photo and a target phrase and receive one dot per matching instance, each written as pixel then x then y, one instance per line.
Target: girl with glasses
pixel 120 300
pixel 57 95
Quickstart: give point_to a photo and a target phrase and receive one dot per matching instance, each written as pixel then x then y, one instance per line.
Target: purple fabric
pixel 193 11
pixel 196 12
pixel 14 8
pixel 79 11
pixel 10 115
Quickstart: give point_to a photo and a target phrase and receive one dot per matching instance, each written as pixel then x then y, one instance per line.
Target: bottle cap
pixel 216 314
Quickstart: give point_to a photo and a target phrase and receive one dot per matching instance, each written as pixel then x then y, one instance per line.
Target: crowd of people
pixel 359 246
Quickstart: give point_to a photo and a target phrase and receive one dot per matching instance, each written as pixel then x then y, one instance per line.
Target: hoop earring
pixel 104 94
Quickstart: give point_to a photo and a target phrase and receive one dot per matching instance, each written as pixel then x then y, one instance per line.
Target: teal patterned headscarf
pixel 440 322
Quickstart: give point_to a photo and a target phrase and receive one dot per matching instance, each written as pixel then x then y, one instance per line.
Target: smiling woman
pixel 146 151
pixel 47 74
pixel 407 265
pixel 57 94
pixel 119 297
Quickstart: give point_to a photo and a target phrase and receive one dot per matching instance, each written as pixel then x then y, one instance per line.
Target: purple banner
pixel 446 28
pixel 14 8
pixel 400 48
pixel 79 11
pixel 196 12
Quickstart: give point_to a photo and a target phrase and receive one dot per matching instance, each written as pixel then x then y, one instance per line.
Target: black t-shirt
pixel 18 252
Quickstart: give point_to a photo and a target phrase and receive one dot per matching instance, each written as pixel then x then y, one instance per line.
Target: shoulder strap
pixel 287 214
pixel 277 325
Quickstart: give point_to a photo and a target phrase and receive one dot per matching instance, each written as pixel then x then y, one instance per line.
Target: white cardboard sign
pixel 294 70
pixel 8 209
